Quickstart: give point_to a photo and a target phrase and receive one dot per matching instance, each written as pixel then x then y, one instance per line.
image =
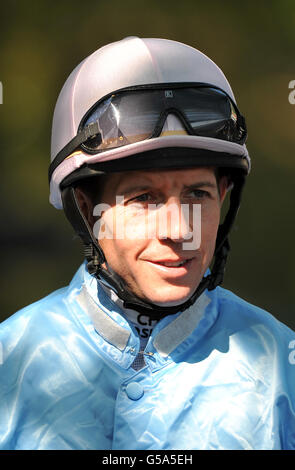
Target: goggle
pixel 138 113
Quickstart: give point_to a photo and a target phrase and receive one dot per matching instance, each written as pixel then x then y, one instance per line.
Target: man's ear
pixel 86 205
pixel 223 188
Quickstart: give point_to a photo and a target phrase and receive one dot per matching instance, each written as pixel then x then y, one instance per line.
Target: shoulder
pixel 230 302
pixel 249 322
pixel 30 320
pixel 34 308
pixel 262 350
pixel 39 317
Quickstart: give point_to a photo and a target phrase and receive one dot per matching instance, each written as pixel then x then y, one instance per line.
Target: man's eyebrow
pixel 201 184
pixel 133 189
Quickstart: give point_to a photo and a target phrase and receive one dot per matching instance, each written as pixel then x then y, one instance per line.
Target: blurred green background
pixel 42 41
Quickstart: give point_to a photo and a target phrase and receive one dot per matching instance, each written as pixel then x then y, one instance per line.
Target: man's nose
pixel 174 221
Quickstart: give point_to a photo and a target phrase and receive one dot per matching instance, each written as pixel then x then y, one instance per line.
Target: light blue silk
pixel 218 377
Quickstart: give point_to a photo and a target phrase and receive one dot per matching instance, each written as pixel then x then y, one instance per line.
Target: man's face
pixel 153 227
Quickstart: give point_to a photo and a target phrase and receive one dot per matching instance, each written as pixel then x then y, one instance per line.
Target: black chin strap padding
pixel 235 201
pixel 218 269
pixel 222 244
pixel 93 253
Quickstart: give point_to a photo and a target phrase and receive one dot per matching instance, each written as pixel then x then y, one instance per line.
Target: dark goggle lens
pixel 133 116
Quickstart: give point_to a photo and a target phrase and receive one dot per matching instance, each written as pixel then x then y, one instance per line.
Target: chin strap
pixel 95 257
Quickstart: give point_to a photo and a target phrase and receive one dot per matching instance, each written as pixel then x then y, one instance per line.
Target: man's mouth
pixel 173 268
pixel 172 264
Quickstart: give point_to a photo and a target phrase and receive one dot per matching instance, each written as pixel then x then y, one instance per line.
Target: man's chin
pixel 171 301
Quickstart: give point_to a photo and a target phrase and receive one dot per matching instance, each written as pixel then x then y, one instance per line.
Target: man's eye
pixel 199 194
pixel 145 197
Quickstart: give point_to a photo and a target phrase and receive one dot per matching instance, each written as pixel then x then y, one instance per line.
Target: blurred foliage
pixel 40 44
